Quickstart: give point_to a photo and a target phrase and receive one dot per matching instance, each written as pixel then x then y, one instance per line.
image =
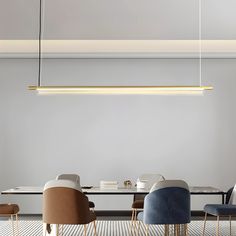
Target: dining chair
pixel 65 204
pixel 227 210
pixel 11 211
pixel 167 204
pixel 76 179
pixel 138 200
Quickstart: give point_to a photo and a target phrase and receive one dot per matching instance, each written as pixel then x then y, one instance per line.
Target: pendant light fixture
pixel 168 90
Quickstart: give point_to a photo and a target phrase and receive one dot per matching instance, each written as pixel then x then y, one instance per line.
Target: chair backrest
pixel 150 179
pixel 232 198
pixel 73 177
pixel 63 203
pixel 169 203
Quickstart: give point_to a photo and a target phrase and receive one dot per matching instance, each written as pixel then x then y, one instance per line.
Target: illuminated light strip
pixel 120 89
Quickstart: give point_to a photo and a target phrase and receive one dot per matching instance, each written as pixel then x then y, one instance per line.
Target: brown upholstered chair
pixel 64 203
pixel 138 201
pixel 11 211
pixel 75 178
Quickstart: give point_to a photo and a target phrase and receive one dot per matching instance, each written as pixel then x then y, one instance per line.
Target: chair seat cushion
pixel 138 204
pixel 91 204
pixel 220 209
pixel 8 209
pixel 140 216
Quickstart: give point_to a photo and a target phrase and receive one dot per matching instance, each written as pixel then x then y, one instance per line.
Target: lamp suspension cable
pixel 200 40
pixel 40 43
pixel 116 89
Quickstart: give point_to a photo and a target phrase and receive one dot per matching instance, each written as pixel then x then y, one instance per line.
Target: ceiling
pixel 123 19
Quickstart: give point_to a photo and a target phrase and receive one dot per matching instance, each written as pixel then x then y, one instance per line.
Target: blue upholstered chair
pixel 168 203
pixel 138 201
pixel 228 209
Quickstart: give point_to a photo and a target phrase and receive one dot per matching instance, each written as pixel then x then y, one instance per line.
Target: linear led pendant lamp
pixel 117 89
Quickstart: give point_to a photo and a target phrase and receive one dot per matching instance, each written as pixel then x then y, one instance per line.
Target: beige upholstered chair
pixel 138 202
pixel 64 203
pixel 76 179
pixel 11 211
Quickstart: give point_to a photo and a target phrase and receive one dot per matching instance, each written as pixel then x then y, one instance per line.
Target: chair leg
pixel 176 230
pixel 138 227
pixel 85 230
pixel 230 232
pixel 132 219
pixel 218 226
pixel 13 226
pixel 57 229
pixel 17 225
pixel 166 230
pixel 45 229
pixel 204 225
pixel 186 230
pixel 135 217
pixel 147 230
pixel 94 227
pixel 62 230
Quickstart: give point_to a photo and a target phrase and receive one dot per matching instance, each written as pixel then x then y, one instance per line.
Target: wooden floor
pixel 34 227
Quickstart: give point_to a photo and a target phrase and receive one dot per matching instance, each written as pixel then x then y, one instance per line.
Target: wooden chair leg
pixel 62 230
pixel 230 231
pixel 138 227
pixel 57 229
pixel 132 219
pixel 218 226
pixel 45 230
pixel 135 217
pixel 186 229
pixel 147 230
pixel 13 226
pixel 94 227
pixel 178 230
pixel 85 230
pixel 17 225
pixel 204 225
pixel 175 230
pixel 166 230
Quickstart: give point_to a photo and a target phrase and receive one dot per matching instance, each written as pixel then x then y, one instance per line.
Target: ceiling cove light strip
pixel 110 90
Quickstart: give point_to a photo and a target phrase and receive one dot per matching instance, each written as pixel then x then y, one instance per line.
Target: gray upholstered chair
pixel 11 211
pixel 167 204
pixel 218 210
pixel 64 203
pixel 138 201
pixel 76 179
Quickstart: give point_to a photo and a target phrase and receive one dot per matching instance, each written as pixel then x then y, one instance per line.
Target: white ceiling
pixel 118 19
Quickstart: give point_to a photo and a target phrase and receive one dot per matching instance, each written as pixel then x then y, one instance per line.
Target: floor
pixel 33 226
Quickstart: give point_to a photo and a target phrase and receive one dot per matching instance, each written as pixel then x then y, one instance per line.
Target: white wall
pixel 116 137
